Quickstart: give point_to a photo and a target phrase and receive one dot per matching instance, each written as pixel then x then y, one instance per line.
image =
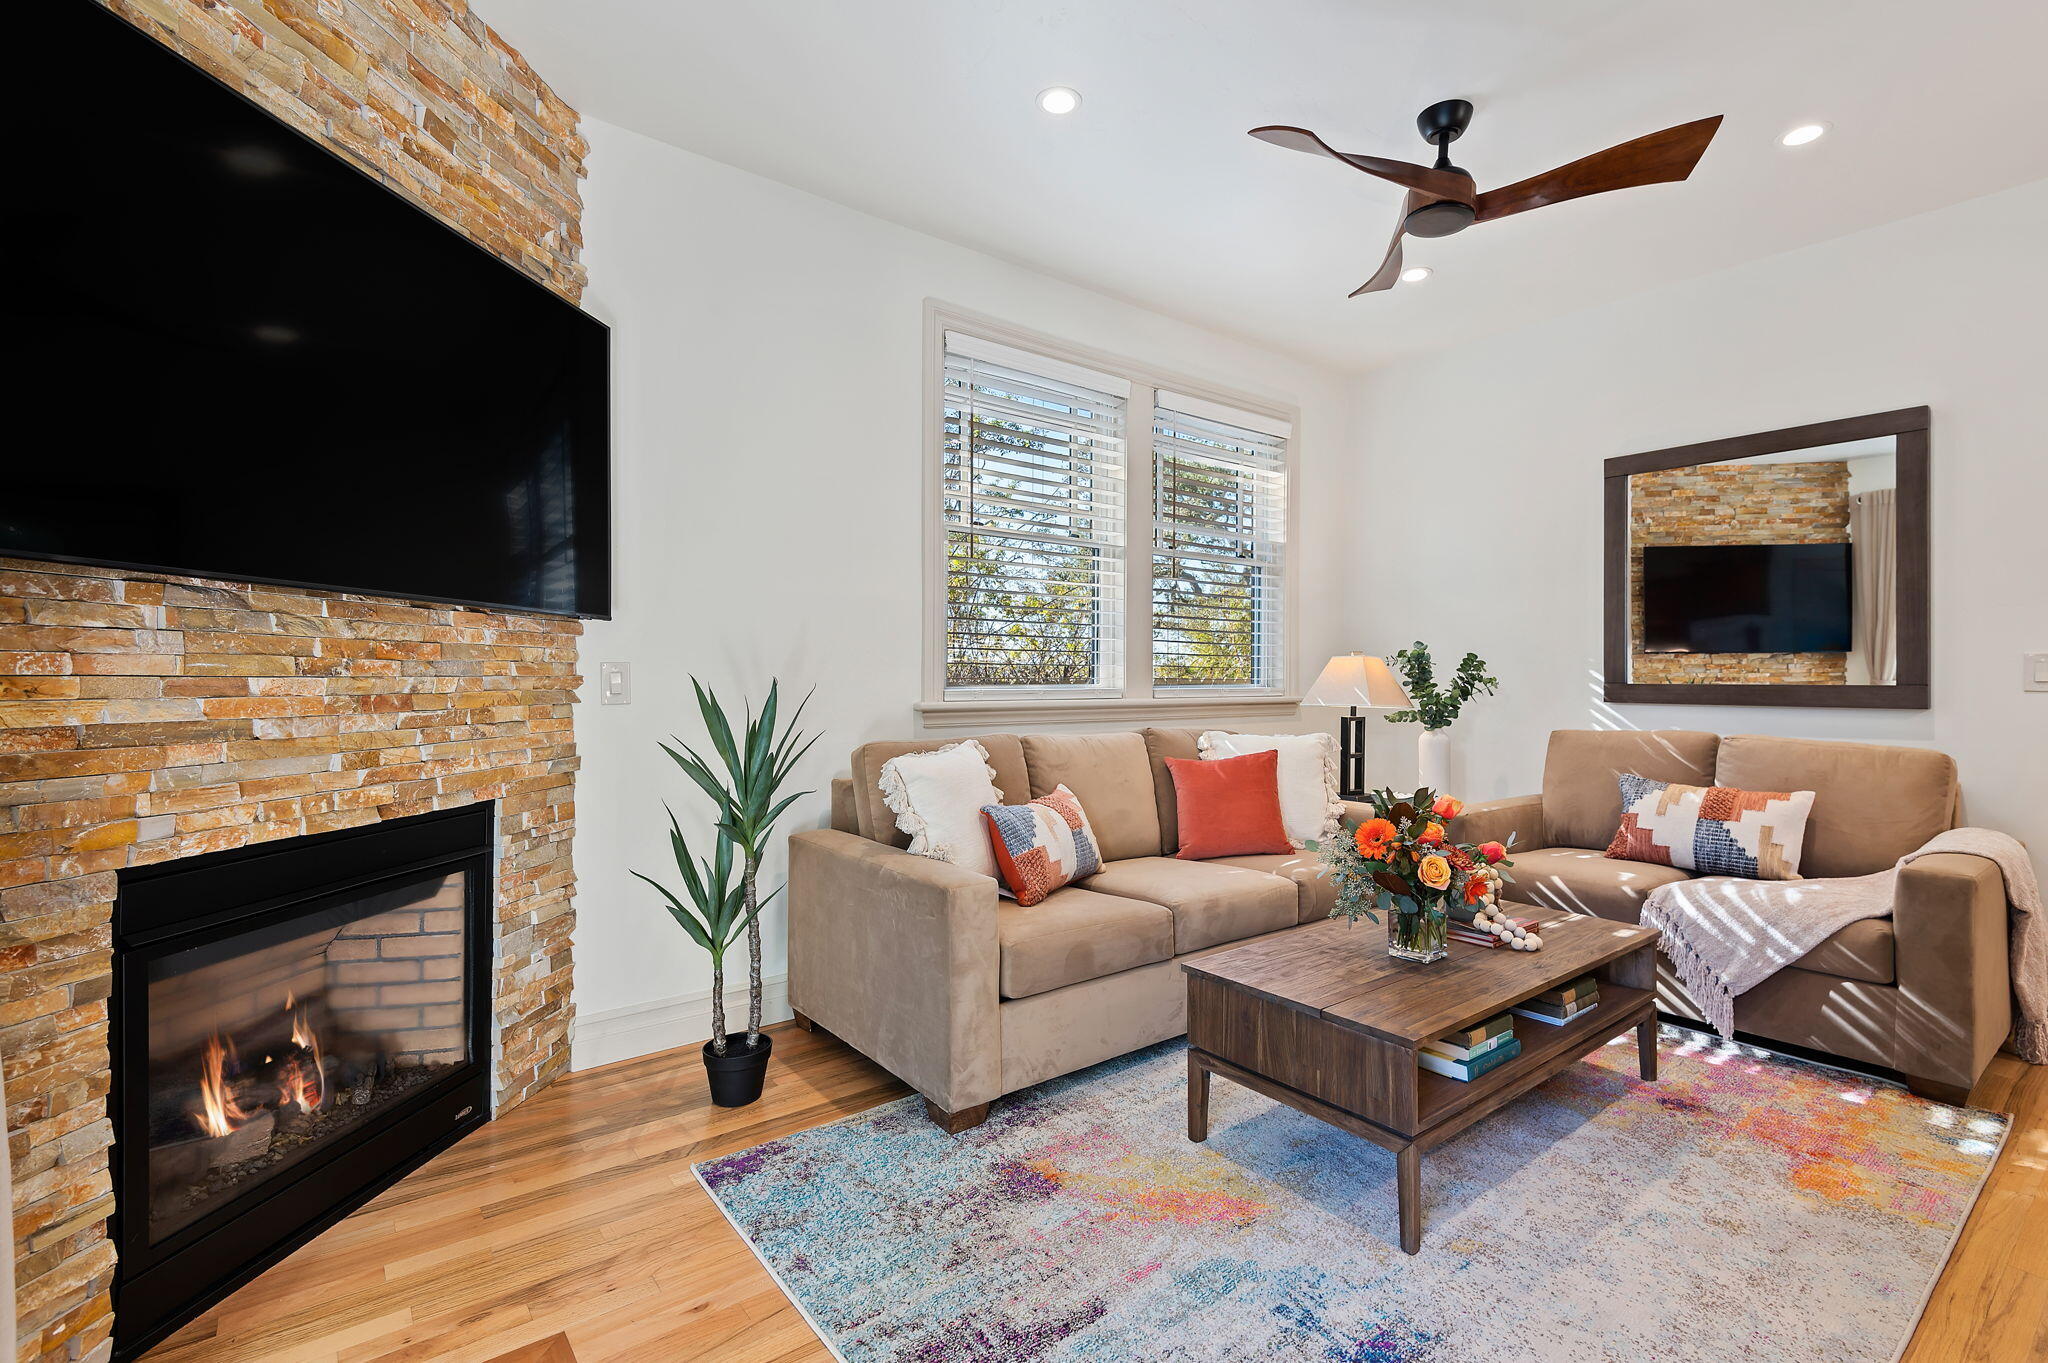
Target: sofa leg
pixel 1941 1092
pixel 953 1123
pixel 804 1024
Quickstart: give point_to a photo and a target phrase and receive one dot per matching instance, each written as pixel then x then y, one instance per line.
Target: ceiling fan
pixel 1443 199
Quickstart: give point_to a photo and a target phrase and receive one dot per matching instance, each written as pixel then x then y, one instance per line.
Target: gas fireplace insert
pixel 295 1026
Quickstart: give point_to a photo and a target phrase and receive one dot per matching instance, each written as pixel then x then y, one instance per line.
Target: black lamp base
pixel 1351 756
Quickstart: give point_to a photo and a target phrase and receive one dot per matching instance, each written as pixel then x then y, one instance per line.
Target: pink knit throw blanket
pixel 1726 935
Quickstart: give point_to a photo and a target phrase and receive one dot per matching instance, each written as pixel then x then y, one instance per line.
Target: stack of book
pixel 1560 1005
pixel 1471 1052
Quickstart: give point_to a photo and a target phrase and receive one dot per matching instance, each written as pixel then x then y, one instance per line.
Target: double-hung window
pixel 1104 535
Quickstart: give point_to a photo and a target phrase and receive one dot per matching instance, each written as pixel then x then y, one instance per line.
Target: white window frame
pixel 1136 700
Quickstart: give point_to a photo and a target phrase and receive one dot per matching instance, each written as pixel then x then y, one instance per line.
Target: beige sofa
pixel 963 995
pixel 922 967
pixel 1925 992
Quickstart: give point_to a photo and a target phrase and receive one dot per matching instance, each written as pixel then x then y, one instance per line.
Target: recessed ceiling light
pixel 1059 99
pixel 1415 274
pixel 1804 133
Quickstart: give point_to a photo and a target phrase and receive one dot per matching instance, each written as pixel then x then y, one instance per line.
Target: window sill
pixel 991 714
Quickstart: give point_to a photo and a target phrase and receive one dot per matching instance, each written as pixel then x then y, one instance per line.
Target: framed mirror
pixel 1783 568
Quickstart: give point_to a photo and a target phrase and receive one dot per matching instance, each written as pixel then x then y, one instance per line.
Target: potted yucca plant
pixel 723 890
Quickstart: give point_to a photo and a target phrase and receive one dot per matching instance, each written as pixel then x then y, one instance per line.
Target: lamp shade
pixel 1357 679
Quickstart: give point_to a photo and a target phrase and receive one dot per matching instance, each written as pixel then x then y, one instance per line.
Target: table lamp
pixel 1354 680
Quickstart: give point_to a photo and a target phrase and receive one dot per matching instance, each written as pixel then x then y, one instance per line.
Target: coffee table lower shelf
pixel 1444 1106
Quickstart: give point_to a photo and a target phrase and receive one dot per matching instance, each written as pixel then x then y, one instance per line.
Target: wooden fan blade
pixel 1389 271
pixel 1655 159
pixel 1440 184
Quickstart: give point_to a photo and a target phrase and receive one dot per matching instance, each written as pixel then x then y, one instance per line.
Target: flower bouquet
pixel 1398 863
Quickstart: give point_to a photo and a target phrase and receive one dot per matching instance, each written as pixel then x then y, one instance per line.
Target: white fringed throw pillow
pixel 937 798
pixel 1309 808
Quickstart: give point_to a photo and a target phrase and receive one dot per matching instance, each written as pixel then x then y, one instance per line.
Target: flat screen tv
pixel 243 358
pixel 1746 598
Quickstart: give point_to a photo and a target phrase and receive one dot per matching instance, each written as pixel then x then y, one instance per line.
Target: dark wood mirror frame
pixel 1909 427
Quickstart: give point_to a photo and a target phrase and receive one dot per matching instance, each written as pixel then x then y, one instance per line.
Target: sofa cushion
pixel 1872 803
pixel 1075 935
pixel 1211 901
pixel 1581 792
pixel 872 816
pixel 1862 951
pixel 938 798
pixel 1229 807
pixel 1581 880
pixel 1317 892
pixel 1161 744
pixel 1112 778
pixel 1712 830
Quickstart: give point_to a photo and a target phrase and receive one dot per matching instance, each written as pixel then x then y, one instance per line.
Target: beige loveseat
pixel 963 995
pixel 1925 992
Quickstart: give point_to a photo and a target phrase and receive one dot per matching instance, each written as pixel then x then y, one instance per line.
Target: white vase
pixel 1433 752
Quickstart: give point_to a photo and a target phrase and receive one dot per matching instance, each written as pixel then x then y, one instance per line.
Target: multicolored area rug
pixel 1745 1207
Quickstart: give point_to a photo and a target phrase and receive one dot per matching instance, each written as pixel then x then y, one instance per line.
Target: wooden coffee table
pixel 1326 1022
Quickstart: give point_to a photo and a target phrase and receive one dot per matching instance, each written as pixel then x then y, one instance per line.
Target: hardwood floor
pixel 574 1232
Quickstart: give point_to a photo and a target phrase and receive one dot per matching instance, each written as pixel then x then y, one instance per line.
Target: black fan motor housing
pixel 1439 219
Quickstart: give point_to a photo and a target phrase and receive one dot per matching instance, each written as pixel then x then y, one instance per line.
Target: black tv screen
pixel 1746 598
pixel 243 358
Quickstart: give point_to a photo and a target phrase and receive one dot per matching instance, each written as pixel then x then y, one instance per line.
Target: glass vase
pixel 1420 936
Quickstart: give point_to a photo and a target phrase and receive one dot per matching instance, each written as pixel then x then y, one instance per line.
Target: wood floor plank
pixel 554 1349
pixel 575 1225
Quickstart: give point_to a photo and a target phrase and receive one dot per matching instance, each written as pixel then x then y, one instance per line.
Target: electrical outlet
pixel 2034 675
pixel 615 683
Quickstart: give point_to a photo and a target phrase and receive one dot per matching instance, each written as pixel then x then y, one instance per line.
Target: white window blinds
pixel 1032 498
pixel 1219 545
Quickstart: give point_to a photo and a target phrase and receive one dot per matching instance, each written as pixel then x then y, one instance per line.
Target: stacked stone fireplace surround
pixel 144 717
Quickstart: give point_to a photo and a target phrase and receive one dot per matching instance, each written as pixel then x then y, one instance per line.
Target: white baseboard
pixel 664 1024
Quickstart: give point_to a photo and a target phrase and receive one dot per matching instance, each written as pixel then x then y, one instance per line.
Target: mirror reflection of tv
pixel 1746 598
pixel 243 358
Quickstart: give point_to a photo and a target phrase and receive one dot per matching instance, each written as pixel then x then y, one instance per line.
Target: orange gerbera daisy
pixel 1373 836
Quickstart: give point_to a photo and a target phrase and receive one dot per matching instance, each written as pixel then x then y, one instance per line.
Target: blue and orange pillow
pixel 1712 830
pixel 1042 846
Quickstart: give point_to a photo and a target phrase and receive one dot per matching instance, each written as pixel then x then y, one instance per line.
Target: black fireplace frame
pixel 159 1287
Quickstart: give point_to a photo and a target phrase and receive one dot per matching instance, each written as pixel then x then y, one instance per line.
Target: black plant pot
pixel 736 1076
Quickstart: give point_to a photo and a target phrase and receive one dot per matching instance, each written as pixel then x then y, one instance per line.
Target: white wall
pixel 768 435
pixel 1482 490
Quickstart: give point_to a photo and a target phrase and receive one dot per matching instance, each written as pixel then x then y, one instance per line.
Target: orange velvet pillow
pixel 1229 807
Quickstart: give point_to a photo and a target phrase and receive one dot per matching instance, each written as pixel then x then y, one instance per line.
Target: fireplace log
pixel 247 1142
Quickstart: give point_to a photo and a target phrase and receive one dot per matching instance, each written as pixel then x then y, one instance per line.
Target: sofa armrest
pixel 1949 922
pixel 1520 816
pixel 897 956
pixel 1356 812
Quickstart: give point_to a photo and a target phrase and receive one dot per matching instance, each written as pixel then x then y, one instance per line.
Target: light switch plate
pixel 2034 677
pixel 615 683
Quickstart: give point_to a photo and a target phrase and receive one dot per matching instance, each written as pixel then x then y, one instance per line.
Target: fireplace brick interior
pixel 175 717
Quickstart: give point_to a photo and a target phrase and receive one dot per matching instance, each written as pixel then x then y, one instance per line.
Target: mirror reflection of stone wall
pixel 1832 495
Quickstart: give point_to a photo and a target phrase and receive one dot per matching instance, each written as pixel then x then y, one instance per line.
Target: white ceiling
pixel 922 112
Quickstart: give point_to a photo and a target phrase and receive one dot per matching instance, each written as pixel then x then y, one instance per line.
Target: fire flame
pixel 219 1113
pixel 302 1083
pixel 300 1088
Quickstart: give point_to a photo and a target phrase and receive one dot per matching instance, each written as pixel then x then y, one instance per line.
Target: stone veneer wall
pixel 1734 504
pixel 145 717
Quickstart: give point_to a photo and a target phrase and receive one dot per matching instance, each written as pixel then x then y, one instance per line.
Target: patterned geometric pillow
pixel 1714 830
pixel 1041 846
